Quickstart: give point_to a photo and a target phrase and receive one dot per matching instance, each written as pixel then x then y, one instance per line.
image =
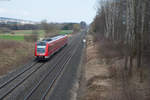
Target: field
pixel 28 31
pixel 12 37
pixel 41 32
pixel 65 32
pixel 19 34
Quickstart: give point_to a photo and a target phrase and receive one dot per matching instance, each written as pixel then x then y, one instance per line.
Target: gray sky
pixel 52 10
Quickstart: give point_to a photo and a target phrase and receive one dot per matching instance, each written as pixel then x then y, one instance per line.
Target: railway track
pixel 58 74
pixel 50 76
pixel 9 86
pixel 13 78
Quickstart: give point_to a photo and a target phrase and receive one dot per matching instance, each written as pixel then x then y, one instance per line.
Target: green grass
pixel 65 31
pixel 12 37
pixel 23 31
pixel 28 31
pixel 19 34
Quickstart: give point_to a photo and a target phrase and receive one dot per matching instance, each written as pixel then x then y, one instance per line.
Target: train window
pixel 49 39
pixel 41 43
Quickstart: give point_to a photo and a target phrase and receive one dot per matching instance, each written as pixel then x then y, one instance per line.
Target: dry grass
pixel 13 54
pixel 97 74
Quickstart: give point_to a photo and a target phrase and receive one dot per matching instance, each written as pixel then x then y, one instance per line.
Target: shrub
pixel 32 38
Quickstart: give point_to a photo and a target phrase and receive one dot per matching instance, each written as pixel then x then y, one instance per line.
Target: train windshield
pixel 41 46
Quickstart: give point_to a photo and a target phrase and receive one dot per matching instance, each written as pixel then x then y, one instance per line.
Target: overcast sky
pixel 52 10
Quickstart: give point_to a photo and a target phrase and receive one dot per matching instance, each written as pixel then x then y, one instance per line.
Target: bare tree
pixel 127 21
pixel 49 28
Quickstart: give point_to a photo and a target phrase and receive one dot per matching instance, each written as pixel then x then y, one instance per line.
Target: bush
pixel 32 38
pixel 76 28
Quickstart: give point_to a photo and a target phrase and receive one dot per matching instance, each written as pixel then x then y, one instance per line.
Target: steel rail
pixel 15 86
pixel 16 76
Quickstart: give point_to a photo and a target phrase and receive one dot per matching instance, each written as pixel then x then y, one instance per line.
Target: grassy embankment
pixel 98 81
pixel 106 78
pixel 13 54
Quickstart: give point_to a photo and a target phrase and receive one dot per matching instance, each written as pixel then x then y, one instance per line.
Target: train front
pixel 40 50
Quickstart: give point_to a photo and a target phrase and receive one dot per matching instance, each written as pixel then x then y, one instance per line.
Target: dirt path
pixel 97 74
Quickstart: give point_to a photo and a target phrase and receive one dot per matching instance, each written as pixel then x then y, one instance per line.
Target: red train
pixel 47 47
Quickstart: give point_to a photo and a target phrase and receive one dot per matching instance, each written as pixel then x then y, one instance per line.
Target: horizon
pixel 38 21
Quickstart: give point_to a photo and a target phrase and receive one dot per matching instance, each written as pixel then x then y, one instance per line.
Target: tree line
pixel 127 22
pixel 43 25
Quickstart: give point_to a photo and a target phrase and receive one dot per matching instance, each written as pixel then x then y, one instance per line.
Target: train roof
pixel 53 38
pixel 58 37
